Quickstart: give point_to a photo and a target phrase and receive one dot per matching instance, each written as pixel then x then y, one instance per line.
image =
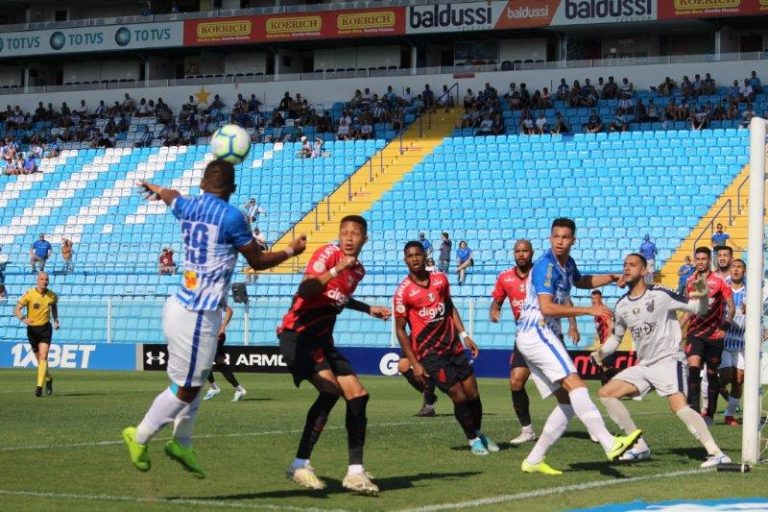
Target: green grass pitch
pixel 65 453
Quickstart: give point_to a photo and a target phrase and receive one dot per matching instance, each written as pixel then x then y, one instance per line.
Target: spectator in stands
pixel 128 105
pixel 626 89
pixel 699 118
pixel 563 90
pixel 542 123
pixel 469 99
pixel 486 125
pixel 527 124
pixel 545 101
pixel 525 95
pixel 146 138
pixel 39 253
pixel 734 93
pixel 652 112
pixel 626 106
pixel 610 89
pixel 3 294
pixel 428 97
pixel 649 252
pixel 754 81
pixel 166 265
pixel 686 88
pixel 445 252
pixel 620 122
pixel 464 260
pixel 746 91
pixel 720 237
pixel 708 85
pixel 747 115
pixel 732 113
pixel 588 96
pixel 685 271
pixel 425 243
pixel 560 125
pixel 66 255
pixel 594 124
pixel 253 211
pixel 344 132
pixel 317 148
pixel 640 112
pixel 445 100
pixel 366 128
pixel 575 98
pixel 30 163
pixel 599 86
pixel 430 266
pixel 666 87
pixel 306 148
pixel 3 264
pixel 498 124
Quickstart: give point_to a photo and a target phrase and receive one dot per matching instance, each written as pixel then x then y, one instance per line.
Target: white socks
pixel 355 469
pixel 185 422
pixel 528 429
pixel 620 415
pixel 589 415
pixel 163 410
pixel 698 428
pixel 300 463
pixel 553 428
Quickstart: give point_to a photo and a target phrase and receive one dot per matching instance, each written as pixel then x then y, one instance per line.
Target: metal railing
pixel 709 227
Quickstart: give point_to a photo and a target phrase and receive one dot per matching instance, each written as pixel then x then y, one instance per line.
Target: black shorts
pixel 39 334
pixel 222 339
pixel 516 360
pixel 305 356
pixel 710 351
pixel 447 369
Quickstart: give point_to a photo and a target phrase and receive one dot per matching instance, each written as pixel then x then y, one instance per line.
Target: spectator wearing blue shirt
pixel 686 270
pixel 649 251
pixel 719 237
pixel 464 255
pixel 426 244
pixel 30 165
pixel 39 253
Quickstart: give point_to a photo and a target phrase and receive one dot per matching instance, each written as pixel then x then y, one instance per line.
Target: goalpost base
pixel 734 468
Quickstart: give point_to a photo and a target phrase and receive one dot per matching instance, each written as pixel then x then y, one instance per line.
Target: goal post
pixel 750 442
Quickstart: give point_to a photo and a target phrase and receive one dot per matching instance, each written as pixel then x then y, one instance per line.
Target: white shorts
pixel 547 358
pixel 192 342
pixel 732 359
pixel 667 377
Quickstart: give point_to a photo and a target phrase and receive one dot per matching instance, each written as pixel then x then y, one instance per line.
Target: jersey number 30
pixel 196 242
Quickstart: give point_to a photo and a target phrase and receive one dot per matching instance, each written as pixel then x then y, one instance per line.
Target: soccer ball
pixel 231 143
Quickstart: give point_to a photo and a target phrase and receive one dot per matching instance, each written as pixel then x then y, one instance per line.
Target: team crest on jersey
pixel 635 311
pixel 318 267
pixel 650 306
pixel 36 306
pixel 400 308
pixel 190 279
pixel 431 297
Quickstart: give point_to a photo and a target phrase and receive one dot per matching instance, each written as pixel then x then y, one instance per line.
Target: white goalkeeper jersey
pixel 652 320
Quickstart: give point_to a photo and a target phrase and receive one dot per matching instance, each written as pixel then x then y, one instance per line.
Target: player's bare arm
pixel 597 281
pixel 225 320
pixel 55 315
pixel 380 312
pixel 313 286
pixel 730 311
pixel 405 344
pixel 17 311
pixel 154 192
pixel 495 311
pixel 465 339
pixel 550 308
pixel 573 328
pixel 262 260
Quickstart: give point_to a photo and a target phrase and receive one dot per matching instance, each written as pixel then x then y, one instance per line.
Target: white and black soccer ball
pixel 230 143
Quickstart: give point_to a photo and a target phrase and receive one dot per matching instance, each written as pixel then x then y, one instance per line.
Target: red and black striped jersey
pixel 710 324
pixel 317 316
pixel 429 314
pixel 510 285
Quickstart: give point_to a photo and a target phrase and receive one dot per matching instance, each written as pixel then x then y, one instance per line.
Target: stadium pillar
pixel 277 64
pixel 414 59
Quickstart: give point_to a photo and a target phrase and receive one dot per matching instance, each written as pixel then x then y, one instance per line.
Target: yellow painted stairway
pixel 368 184
pixel 730 209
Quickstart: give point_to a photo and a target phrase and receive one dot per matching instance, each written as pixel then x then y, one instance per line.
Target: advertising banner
pixel 386 21
pixel 681 9
pixel 365 360
pixel 91 39
pixel 84 356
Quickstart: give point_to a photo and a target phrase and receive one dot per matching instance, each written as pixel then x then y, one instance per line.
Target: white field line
pixel 164 501
pixel 550 491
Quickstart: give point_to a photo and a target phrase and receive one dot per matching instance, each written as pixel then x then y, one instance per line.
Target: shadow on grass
pixel 334 487
pixel 604 467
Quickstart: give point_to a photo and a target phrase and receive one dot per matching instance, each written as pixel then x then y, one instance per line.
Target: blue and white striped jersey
pixel 551 278
pixel 734 336
pixel 213 231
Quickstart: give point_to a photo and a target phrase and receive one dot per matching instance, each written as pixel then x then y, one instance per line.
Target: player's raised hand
pixel 699 288
pixel 299 244
pixel 345 262
pixel 618 279
pixel 149 191
pixel 380 312
pixel 472 346
pixel 600 310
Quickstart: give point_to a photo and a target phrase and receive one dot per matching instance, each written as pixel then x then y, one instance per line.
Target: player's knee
pixel 403 365
pixel 604 392
pixel 327 400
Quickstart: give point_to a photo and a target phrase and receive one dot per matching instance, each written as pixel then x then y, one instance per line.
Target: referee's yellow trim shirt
pixel 38 306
